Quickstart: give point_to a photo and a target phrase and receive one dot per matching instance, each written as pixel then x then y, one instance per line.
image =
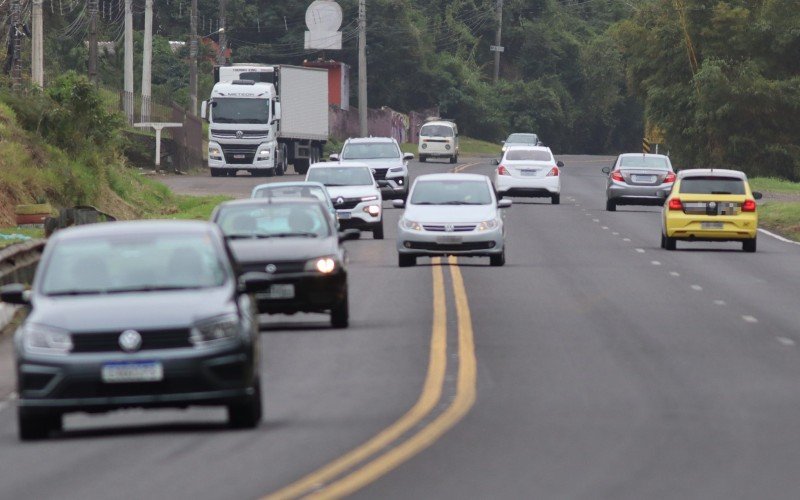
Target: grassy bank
pixel 467 146
pixel 780 209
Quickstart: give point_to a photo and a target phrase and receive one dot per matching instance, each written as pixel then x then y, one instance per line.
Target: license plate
pixel 449 239
pixel 343 215
pixel 711 225
pixel 239 157
pixel 280 291
pixel 132 371
pixel 530 172
pixel 644 178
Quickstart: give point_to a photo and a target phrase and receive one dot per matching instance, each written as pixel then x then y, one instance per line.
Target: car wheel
pixel 555 199
pixel 247 413
pixel 749 245
pixel 406 260
pixel 498 260
pixel 611 206
pixel 217 172
pixel 37 426
pixel 453 159
pixel 377 232
pixel 423 159
pixel 670 243
pixel 340 315
pixel 663 241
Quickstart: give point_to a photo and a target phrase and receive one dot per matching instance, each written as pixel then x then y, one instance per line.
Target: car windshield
pixel 644 162
pixel 455 192
pixel 341 176
pixel 436 131
pixel 528 155
pixel 234 110
pixel 712 185
pixel 274 220
pixel 522 139
pixel 309 192
pixel 140 262
pixel 368 151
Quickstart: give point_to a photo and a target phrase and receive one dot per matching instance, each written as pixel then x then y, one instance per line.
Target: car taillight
pixel 553 172
pixel 749 206
pixel 617 176
pixel 501 170
pixel 675 204
pixel 670 177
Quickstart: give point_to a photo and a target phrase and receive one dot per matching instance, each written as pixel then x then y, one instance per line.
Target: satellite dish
pixel 324 15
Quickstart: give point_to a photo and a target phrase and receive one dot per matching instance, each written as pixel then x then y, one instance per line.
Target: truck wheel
pixel 280 167
pixel 217 172
pixel 301 166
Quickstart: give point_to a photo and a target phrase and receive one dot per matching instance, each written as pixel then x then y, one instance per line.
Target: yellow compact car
pixel 710 205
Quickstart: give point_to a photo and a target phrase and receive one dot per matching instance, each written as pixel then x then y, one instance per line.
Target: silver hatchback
pixel 637 179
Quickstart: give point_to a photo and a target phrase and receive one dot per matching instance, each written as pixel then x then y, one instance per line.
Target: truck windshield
pixel 233 110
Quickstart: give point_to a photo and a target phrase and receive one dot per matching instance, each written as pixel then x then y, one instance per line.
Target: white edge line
pixel 785 341
pixel 778 237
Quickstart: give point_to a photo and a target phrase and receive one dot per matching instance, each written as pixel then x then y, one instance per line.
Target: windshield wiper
pixel 460 203
pixel 63 293
pixel 721 192
pixel 152 288
pixel 300 234
pixel 240 236
pixel 335 185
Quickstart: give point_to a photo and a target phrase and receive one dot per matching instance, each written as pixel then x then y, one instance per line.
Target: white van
pixel 438 139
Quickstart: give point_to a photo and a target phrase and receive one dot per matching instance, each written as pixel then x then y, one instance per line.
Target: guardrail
pixel 18 262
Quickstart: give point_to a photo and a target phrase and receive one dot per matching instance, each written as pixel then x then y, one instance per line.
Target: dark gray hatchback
pixel 140 314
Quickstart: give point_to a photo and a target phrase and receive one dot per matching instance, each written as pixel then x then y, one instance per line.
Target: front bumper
pixel 471 243
pixel 622 193
pixel 731 228
pixel 248 160
pixel 214 375
pixel 313 292
pixel 531 187
pixel 359 217
pixel 394 187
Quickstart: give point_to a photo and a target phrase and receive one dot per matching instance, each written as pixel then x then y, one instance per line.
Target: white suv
pixel 389 164
pixel 354 192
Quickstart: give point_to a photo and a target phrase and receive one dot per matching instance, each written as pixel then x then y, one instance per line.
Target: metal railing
pixel 18 262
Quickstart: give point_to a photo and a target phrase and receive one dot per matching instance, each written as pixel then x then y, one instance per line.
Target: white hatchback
pixel 529 171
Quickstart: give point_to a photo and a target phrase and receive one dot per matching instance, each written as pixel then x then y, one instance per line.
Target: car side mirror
pixel 398 203
pixel 606 170
pixel 408 156
pixel 349 235
pixel 496 161
pixel 252 282
pixel 757 195
pixel 15 293
pixel 504 203
pixel 333 157
pixel 560 164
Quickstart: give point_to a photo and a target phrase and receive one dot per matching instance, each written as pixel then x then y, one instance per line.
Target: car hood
pixel 352 191
pixel 282 249
pixel 382 162
pixel 148 310
pixel 450 213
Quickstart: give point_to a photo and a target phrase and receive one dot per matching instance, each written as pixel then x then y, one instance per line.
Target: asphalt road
pixel 593 365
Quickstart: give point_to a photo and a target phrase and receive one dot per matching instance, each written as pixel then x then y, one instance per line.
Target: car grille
pixel 280 267
pixel 451 247
pixel 239 154
pixel 346 204
pixel 379 173
pixel 462 228
pixel 151 340
pixel 246 134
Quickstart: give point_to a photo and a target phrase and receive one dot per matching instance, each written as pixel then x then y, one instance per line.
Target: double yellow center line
pixel 386 450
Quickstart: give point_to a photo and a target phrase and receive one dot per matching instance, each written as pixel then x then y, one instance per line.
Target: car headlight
pixel 214 330
pixel 264 154
pixel 214 153
pixel 42 339
pixel 486 225
pixel 373 210
pixel 504 148
pixel 324 265
pixel 410 224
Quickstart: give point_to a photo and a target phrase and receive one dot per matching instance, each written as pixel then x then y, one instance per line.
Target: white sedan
pixel 529 171
pixel 451 214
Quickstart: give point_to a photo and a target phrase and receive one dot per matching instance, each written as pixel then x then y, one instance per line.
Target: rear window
pixel 529 155
pixel 646 162
pixel 712 185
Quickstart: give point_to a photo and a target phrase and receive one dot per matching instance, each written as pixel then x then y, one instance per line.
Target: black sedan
pixel 135 314
pixel 294 247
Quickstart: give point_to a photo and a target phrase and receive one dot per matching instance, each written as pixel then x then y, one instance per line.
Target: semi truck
pixel 262 118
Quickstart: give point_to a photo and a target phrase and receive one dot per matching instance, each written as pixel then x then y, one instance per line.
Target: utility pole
pixel 193 46
pixel 362 68
pixel 16 20
pixel 221 59
pixel 128 84
pixel 497 41
pixel 93 41
pixel 37 45
pixel 147 60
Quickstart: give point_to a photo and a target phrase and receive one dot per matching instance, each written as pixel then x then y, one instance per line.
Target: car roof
pixel 711 172
pixel 343 163
pixel 450 177
pixel 269 201
pixel 440 122
pixel 647 155
pixel 523 133
pixel 136 227
pixel 361 140
pixel 269 185
pixel 523 147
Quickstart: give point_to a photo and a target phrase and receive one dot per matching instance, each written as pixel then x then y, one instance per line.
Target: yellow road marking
pixel 428 399
pixel 465 398
pixel 461 168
